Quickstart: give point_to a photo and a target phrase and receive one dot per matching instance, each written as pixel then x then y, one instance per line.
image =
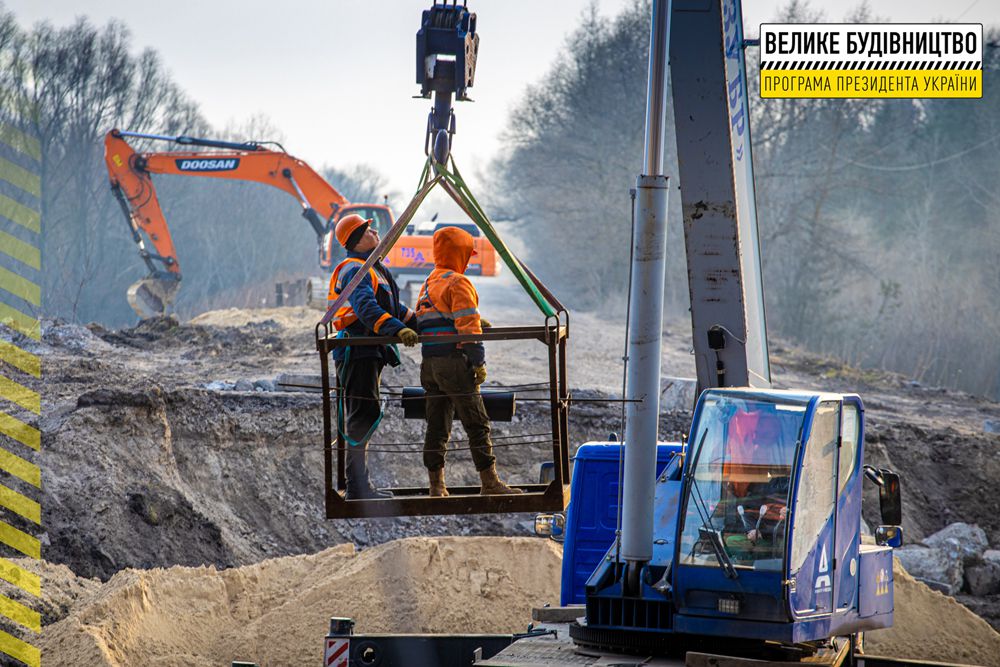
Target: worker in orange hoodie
pixel 451 373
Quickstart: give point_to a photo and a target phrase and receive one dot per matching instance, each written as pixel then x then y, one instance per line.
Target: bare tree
pixel 82 81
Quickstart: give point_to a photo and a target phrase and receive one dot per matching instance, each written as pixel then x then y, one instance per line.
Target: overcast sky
pixel 337 76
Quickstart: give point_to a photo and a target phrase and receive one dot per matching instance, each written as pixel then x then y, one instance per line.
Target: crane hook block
pixel 447 34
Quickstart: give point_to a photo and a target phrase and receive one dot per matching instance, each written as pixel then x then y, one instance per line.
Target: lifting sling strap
pixel 452 183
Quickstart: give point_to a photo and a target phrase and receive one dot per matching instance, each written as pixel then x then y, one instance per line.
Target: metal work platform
pixel 412 501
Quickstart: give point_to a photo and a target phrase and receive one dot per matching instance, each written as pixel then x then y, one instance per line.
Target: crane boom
pixel 711 115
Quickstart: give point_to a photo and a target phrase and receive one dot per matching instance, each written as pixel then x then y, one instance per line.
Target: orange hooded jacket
pixel 448 302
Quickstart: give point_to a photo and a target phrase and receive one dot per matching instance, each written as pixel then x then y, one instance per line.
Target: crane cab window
pixel 817 484
pixel 738 484
pixel 849 425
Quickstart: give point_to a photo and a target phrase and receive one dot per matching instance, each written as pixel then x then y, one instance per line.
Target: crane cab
pixel 758 531
pixel 770 525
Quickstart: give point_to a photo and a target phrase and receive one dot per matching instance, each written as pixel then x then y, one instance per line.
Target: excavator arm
pixel 131 182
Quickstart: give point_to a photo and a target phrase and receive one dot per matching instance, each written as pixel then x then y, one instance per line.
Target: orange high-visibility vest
pixel 345 317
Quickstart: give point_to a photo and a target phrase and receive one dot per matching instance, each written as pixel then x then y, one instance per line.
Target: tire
pixel 316 293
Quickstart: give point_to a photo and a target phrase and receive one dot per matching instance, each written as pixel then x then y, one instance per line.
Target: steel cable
pixel 523 443
pixel 492 437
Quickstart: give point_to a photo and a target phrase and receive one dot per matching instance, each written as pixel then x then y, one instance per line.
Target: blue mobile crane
pixel 747 544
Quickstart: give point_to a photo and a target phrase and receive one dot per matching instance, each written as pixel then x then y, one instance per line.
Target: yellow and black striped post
pixel 20 410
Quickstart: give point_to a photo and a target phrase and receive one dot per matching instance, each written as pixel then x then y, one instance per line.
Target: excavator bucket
pixel 150 297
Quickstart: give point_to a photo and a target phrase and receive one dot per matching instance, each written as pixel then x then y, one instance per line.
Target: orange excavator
pixel 322 205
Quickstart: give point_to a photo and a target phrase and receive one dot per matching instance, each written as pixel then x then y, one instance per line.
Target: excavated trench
pixel 191 476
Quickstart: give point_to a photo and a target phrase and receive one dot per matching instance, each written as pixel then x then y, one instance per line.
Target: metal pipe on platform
pixel 646 308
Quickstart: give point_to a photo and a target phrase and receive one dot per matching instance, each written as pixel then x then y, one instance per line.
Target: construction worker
pixel 372 309
pixel 451 373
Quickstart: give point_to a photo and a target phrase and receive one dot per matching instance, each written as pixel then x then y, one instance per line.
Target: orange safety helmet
pixel 347 225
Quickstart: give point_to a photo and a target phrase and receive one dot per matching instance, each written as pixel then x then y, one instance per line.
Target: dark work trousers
pixel 450 390
pixel 359 382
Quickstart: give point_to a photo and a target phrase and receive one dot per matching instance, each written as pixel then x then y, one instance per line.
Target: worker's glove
pixel 479 373
pixel 485 323
pixel 408 336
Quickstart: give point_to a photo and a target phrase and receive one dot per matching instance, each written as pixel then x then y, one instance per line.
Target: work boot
pixel 493 485
pixel 365 491
pixel 359 484
pixel 437 488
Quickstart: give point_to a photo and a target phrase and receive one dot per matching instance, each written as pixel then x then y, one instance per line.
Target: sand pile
pixel 277 612
pixel 928 625
pixel 296 317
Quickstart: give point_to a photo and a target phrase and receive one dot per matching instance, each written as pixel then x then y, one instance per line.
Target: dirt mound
pixel 948 474
pixel 928 625
pixel 290 317
pixel 277 612
pixel 62 591
pixel 256 337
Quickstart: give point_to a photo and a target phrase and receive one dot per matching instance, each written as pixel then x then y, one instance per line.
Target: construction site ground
pixel 183 502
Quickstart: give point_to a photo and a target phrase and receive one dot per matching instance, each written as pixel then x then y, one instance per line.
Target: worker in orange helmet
pixel 372 309
pixel 451 373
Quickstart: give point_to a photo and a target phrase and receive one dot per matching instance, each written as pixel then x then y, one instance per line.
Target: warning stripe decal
pixel 336 650
pixel 870 64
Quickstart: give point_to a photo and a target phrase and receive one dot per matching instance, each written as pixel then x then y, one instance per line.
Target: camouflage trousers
pixel 451 390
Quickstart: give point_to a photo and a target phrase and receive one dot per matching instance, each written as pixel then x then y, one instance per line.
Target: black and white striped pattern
pixel 870 64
